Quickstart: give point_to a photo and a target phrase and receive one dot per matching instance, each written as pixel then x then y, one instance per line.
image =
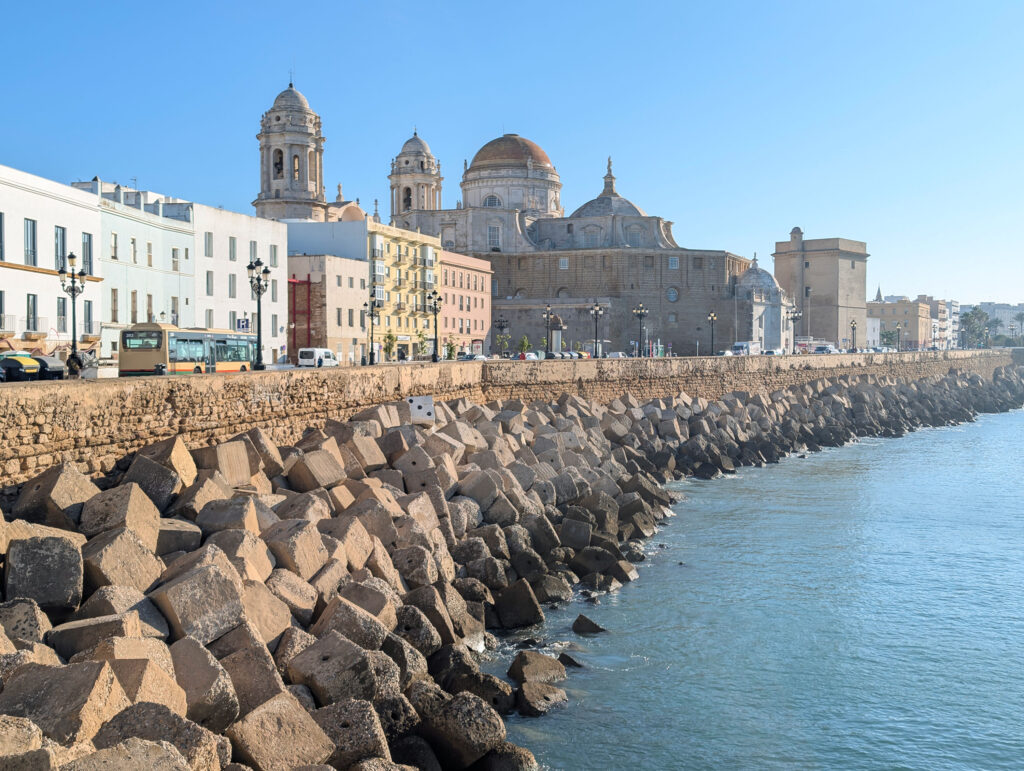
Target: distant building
pixel 874 336
pixel 41 222
pixel 912 319
pixel 1006 314
pixel 827 280
pixel 325 306
pixel 465 317
pixel 939 310
pixel 954 323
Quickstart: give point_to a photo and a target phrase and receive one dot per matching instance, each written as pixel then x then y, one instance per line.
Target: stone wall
pixel 93 423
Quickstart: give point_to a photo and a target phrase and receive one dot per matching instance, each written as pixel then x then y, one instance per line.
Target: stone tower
pixel 291 161
pixel 415 179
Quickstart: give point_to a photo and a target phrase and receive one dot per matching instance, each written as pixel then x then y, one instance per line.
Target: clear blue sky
pixel 895 123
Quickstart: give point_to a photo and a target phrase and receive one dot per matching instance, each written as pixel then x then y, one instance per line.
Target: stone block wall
pixel 94 423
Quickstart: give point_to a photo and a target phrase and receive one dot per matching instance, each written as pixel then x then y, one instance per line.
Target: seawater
pixel 860 608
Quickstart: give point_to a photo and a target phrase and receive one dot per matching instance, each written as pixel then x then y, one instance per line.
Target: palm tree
pixel 1019 318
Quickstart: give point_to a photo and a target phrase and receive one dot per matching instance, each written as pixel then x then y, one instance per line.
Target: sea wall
pixel 93 423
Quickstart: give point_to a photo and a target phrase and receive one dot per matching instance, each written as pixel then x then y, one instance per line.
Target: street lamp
pixel 641 313
pixel 793 315
pixel 853 335
pixel 434 303
pixel 260 282
pixel 371 310
pixel 548 316
pixel 712 318
pixel 899 328
pixel 597 312
pixel 74 287
pixel 502 325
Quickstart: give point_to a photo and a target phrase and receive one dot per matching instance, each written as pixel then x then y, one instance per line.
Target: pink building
pixel 465 318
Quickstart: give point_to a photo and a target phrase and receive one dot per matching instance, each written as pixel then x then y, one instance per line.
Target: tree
pixel 421 340
pixel 974 324
pixel 524 344
pixel 1019 318
pixel 578 346
pixel 544 343
pixel 503 341
pixel 389 344
pixel 449 347
pixel 888 338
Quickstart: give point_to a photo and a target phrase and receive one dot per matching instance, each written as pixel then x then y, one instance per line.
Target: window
pixel 493 237
pixel 807 264
pixel 807 291
pixel 87 317
pixel 649 262
pixel 295 168
pixel 62 314
pixel 273 290
pixel 30 242
pixel 113 246
pixel 209 318
pixel 351 317
pixel 273 325
pixel 133 248
pixel 273 255
pixel 31 313
pixel 149 309
pixel 568 228
pixel 853 264
pixel 232 320
pixel 113 306
pixel 492 202
pixel 351 282
pixel 149 254
pixel 563 263
pixel 672 318
pixel 232 286
pixel 362 283
pixel 232 248
pixel 135 306
pixel 252 251
pixel 635 236
pixel 672 294
pixel 338 314
pixel 209 283
pixel 86 252
pixel 338 280
pixel 673 263
pixel 278 164
pixel 208 244
pixel 60 246
pixel 698 263
pixel 174 260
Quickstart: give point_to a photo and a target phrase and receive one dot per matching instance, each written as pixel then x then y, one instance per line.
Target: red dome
pixel 510 150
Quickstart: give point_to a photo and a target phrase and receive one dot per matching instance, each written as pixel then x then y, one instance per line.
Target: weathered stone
pixel 212 702
pixel 415 751
pixel 334 669
pixel 160 483
pixel 355 729
pixel 145 681
pixel 207 554
pixel 273 464
pixel 247 552
pixel 583 625
pixel 531 666
pixel 156 722
pixel 367 453
pixel 191 500
pixel 297 545
pixel 176 535
pixel 74 636
pixel 230 459
pixel 426 696
pixel 411 663
pixel 266 612
pixel 18 735
pixel 131 754
pixel 55 497
pixel 298 595
pixel 69 703
pixel 463 730
pixel 397 716
pixel 47 570
pixel 173 454
pixel 120 558
pixel 428 600
pixel 551 588
pixel 416 565
pixel 309 506
pixel 491 689
pixel 326 583
pixel 292 643
pixel 517 606
pixel 124 506
pixel 203 603
pixel 279 734
pixel 319 468
pixel 124 648
pixel 508 757
pixel 592 559
pixel 352 535
pixel 23 619
pixel 254 676
pixel 230 514
pixel 353 622
pixel 373 601
pixel 574 534
pixel 415 628
pixel 535 698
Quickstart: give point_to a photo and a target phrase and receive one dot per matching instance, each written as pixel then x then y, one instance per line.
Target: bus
pixel 164 349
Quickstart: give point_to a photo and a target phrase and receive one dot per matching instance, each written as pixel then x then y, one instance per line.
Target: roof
pixel 510 150
pixel 757 278
pixel 290 99
pixel 609 202
pixel 415 145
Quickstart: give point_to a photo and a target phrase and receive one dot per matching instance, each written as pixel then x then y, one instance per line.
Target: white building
pixel 954 323
pixel 41 222
pixel 225 242
pixel 874 333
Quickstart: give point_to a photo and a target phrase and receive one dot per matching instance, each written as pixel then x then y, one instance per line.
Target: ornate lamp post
pixel 371 309
pixel 641 313
pixel 899 328
pixel 548 316
pixel 793 315
pixel 597 312
pixel 434 303
pixel 853 335
pixel 74 287
pixel 260 282
pixel 712 318
pixel 502 325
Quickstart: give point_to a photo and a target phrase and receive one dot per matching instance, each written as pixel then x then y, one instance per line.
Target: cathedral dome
pixel 757 278
pixel 415 145
pixel 290 99
pixel 609 202
pixel 510 150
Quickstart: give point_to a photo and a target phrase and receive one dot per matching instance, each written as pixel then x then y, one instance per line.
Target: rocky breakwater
pixel 320 605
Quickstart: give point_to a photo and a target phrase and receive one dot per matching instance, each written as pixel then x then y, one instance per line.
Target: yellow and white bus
pixel 164 349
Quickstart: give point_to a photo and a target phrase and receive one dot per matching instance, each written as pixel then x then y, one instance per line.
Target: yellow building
pixel 912 318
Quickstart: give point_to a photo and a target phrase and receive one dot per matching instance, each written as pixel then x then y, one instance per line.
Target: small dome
pixel 415 146
pixel 604 205
pixel 290 99
pixel 510 150
pixel 757 278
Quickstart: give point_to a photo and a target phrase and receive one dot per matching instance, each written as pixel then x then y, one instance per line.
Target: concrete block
pixel 124 506
pixel 160 483
pixel 156 722
pixel 279 734
pixel 297 546
pixel 230 514
pixel 293 642
pixel 416 565
pixel 309 506
pixel 517 606
pixel 273 463
pixel 427 600
pixel 463 730
pixel 192 499
pixel 176 535
pixel 131 753
pixel 55 497
pixel 248 553
pixel 373 601
pixel 230 459
pixel 145 681
pixel 266 612
pixel 353 536
pixel 119 558
pixel 69 638
pixel 48 570
pixel 254 677
pixel 353 622
pixel 298 595
pixel 130 648
pixel 23 619
pixel 319 468
pixel 355 730
pixel 380 565
pixel 327 581
pixel 203 603
pixel 367 453
pixel 18 735
pixel 207 554
pixel 212 702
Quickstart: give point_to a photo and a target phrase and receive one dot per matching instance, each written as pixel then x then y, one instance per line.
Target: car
pixel 825 349
pixel 317 357
pixel 479 357
pixel 51 368
pixel 724 353
pixel 19 365
pixel 616 355
pixel 530 356
pixel 585 355
pixel 552 355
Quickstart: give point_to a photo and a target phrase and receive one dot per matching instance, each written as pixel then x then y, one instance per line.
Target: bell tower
pixel 415 179
pixel 291 161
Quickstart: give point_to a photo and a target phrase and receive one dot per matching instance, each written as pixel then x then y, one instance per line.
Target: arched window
pixel 295 168
pixel 407 199
pixel 562 292
pixel 635 236
pixel 278 164
pixel 492 202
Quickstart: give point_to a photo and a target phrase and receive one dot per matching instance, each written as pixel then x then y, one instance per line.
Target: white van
pixel 317 357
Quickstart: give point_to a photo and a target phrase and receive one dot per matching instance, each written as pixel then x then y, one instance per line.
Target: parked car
pixel 51 368
pixel 530 356
pixel 724 353
pixel 825 349
pixel 317 357
pixel 616 355
pixel 19 365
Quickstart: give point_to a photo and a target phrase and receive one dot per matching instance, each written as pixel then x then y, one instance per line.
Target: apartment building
pixel 465 317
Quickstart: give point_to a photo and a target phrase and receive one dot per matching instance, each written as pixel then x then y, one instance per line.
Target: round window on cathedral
pixel 672 294
pixel 277 118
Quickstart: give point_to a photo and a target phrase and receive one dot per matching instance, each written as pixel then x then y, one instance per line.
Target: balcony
pixel 36 327
pixel 401 306
pixel 7 324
